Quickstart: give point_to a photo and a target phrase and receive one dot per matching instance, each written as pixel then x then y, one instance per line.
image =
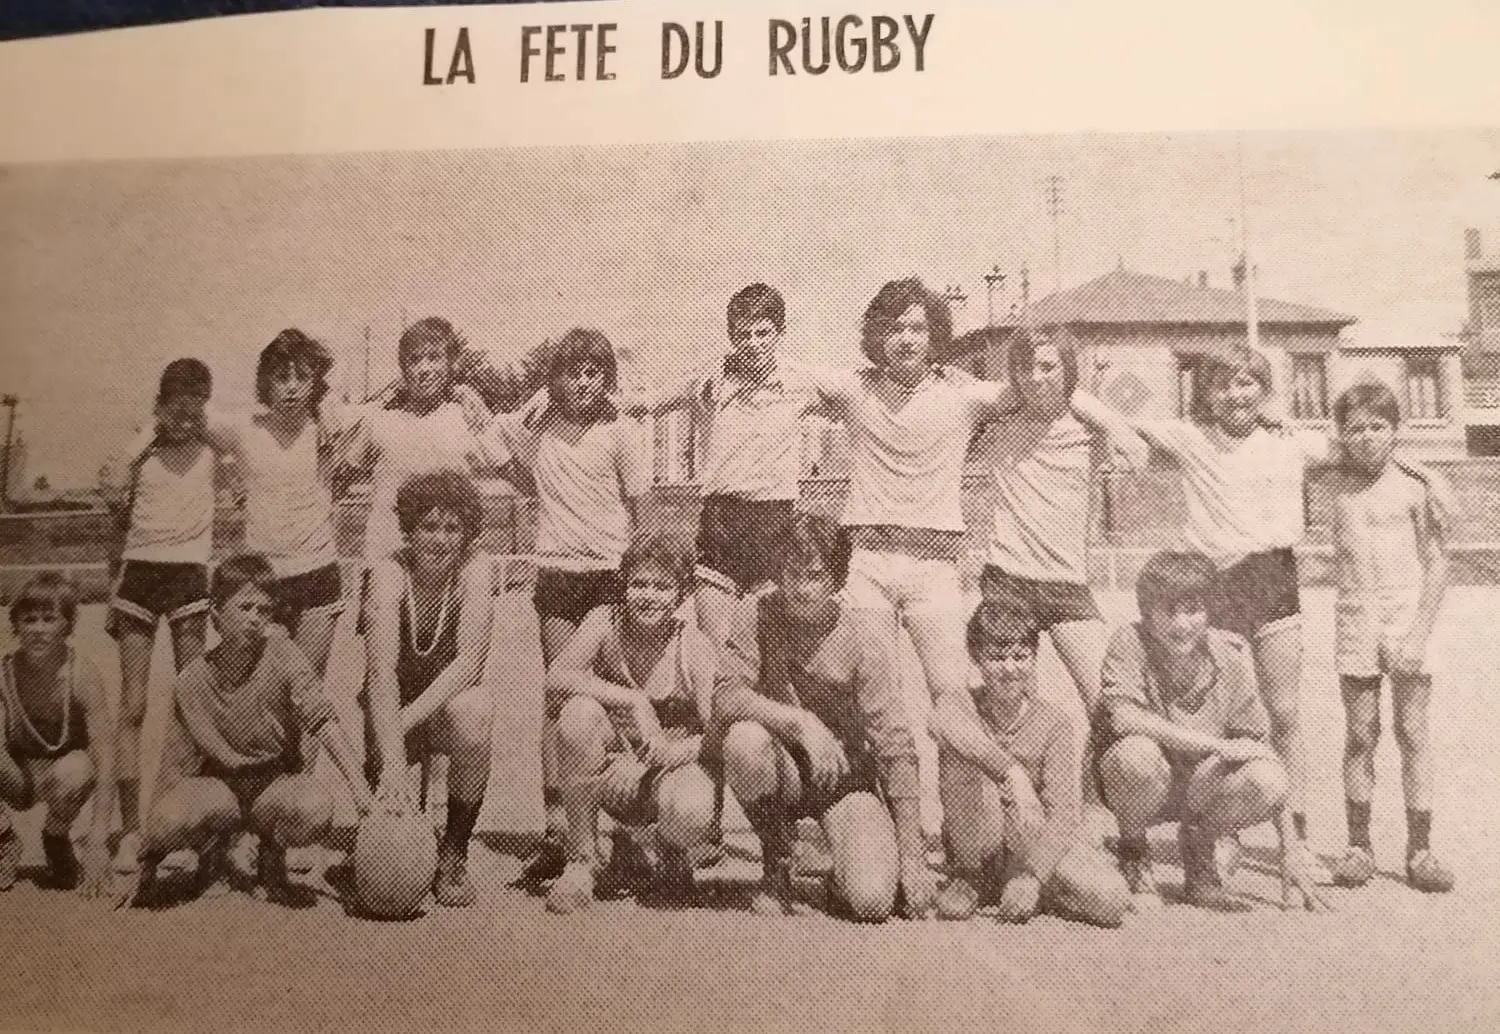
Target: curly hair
pixel 451 490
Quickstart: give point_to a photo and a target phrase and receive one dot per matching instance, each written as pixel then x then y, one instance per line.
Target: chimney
pixel 1202 278
pixel 1473 247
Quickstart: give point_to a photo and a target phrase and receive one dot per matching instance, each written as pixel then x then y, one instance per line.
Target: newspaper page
pixel 658 516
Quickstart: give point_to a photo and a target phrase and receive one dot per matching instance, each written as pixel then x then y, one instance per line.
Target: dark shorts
pixel 320 591
pixel 739 541
pixel 249 782
pixel 572 594
pixel 1048 603
pixel 149 592
pixel 862 777
pixel 1258 591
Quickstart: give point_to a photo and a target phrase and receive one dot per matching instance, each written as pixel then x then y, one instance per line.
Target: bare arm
pixel 1432 548
pixel 466 669
pixel 572 674
pixel 118 472
pixel 956 725
pixel 1129 718
pixel 736 687
pixel 1121 435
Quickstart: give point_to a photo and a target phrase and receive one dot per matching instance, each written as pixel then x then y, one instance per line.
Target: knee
pixel 1262 788
pixel 471 717
pixel 749 760
pixel 1087 888
pixel 869 894
pixel 685 809
pixel 1361 738
pixel 298 817
pixel 583 725
pixel 1410 732
pixel 1132 767
pixel 68 780
pixel 182 813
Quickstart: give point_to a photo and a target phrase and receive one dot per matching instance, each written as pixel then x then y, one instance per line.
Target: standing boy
pixel 1183 734
pixel 162 490
pixel 1392 573
pixel 809 721
pixel 59 739
pixel 230 759
pixel 1012 803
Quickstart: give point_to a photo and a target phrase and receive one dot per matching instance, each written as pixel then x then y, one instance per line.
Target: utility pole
pixel 10 402
pixel 1025 287
pixel 364 391
pixel 1054 209
pixel 1252 311
pixel 993 280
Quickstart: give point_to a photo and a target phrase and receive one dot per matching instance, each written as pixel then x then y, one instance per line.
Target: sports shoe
pixel 63 872
pixel 1020 899
pixel 451 886
pixel 1355 868
pixel 213 866
pixel 775 896
pixel 10 858
pixel 547 865
pixel 1317 873
pixel 957 900
pixel 1229 852
pixel 573 890
pixel 271 874
pixel 671 884
pixel 1425 873
pixel 1135 866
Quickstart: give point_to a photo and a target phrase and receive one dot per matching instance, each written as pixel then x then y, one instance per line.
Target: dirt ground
pixel 1387 960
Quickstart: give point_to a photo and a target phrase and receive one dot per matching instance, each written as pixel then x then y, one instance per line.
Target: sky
pixel 109 270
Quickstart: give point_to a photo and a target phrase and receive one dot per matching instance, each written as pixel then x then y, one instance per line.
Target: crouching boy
pixel 230 761
pixel 1183 739
pixel 635 686
pixel 1012 803
pixel 809 721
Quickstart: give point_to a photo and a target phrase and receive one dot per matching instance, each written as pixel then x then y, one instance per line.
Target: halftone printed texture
pixel 395 857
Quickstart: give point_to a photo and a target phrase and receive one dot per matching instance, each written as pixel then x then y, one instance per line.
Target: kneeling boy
pixel 635 685
pixel 58 740
pixel 1012 803
pixel 1183 738
pixel 809 721
pixel 230 759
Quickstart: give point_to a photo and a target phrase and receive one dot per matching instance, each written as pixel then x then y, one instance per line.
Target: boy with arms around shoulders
pixel 1392 574
pixel 808 720
pixel 1182 737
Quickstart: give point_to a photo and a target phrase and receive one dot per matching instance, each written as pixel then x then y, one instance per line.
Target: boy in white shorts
pixel 1392 574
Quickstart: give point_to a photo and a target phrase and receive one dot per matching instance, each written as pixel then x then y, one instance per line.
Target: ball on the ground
pixel 395 858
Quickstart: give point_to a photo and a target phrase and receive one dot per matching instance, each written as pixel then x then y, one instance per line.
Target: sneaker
pixel 214 866
pixel 572 890
pixel 1135 866
pixel 128 853
pixel 1229 852
pixel 775 896
pixel 303 860
pixel 671 884
pixel 1425 873
pixel 1202 884
pixel 271 874
pixel 957 900
pixel 1317 873
pixel 1355 869
pixel 547 865
pixel 63 872
pixel 627 872
pixel 10 858
pixel 451 886
pixel 1020 899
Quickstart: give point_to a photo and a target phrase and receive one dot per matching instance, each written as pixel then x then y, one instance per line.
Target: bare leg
pixel 189 637
pixel 136 639
pixel 714 605
pixel 556 632
pixel 1409 698
pixel 1278 668
pixel 866 862
pixel 1361 735
pixel 314 637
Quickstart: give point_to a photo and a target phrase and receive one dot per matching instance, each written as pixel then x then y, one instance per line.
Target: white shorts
pixel 1368 626
pixel 894 583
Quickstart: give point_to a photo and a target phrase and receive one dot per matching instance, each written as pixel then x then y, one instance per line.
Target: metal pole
pixel 992 280
pixel 10 402
pixel 1252 313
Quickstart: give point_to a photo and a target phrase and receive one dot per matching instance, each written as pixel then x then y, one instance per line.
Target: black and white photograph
pixel 1038 582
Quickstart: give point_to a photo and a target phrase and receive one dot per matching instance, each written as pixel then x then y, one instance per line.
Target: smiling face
pixel 40 631
pixel 244 618
pixel 907 345
pixel 1179 629
pixel 437 541
pixel 652 595
pixel 1235 398
pixel 426 370
pixel 1009 672
pixel 1368 439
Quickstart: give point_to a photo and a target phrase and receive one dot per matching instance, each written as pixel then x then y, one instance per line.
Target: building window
pixel 1425 398
pixel 1309 387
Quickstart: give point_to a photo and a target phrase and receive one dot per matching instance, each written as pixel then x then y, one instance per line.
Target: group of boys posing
pixel 782 683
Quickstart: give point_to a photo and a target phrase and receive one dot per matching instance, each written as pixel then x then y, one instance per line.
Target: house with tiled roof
pixel 1140 337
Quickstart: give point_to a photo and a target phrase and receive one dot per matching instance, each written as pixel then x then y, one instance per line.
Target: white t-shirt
pixel 754 433
pixel 400 444
pixel 908 460
pixel 583 477
pixel 288 505
pixel 1244 495
pixel 1041 477
pixel 172 516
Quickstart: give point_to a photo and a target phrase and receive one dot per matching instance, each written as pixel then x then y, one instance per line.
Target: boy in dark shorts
pixel 229 761
pixel 1182 737
pixel 59 741
pixel 636 686
pixel 809 721
pixel 1011 806
pixel 162 492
